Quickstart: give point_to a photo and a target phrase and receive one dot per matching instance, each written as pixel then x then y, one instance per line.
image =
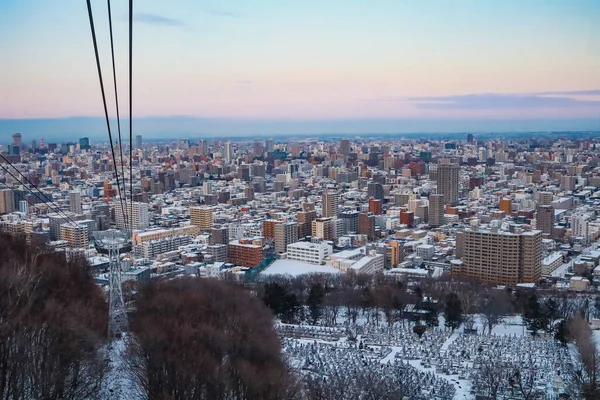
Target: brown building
pixel 498 257
pixel 545 219
pixel 245 252
pixel 436 210
pixel 448 181
pixel 285 233
pixel 330 202
pixel 375 206
pixel 268 226
pixel 305 221
pixel 366 225
pixel 505 205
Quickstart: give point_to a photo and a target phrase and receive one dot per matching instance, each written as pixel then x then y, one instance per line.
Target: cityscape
pixel 310 200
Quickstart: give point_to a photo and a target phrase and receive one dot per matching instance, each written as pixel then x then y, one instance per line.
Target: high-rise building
pixel 24 206
pixel 54 222
pixel 375 206
pixel 505 205
pixel 305 222
pixel 228 151
pixel 375 190
pixel 285 233
pixel 203 147
pixel 219 235
pixel 344 147
pixel 568 182
pixel 498 257
pixel 75 202
pixel 268 228
pixel 245 252
pixel 138 142
pixel 84 143
pixel 269 145
pixel 330 204
pixel 7 201
pixel 324 228
pixel 366 225
pixel 544 198
pixel 545 218
pixel 349 221
pixel 435 210
pixel 202 217
pixel 17 140
pixel 75 234
pixel 448 181
pixel 137 213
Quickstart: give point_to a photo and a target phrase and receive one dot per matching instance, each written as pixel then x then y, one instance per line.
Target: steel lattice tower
pixel 113 243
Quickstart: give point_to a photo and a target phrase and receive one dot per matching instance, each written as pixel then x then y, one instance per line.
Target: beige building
pixel 157 234
pixel 324 228
pixel 202 217
pixel 448 181
pixel 285 233
pixel 330 201
pixel 498 257
pixel 7 201
pixel 75 235
pixel 436 210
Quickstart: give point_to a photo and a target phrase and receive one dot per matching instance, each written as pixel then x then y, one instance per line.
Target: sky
pixel 308 60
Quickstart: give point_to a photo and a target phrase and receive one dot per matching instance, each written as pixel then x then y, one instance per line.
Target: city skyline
pixel 312 61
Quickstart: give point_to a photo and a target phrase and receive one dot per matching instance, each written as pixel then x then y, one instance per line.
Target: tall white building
pixel 228 151
pixel 580 225
pixel 137 212
pixel 75 202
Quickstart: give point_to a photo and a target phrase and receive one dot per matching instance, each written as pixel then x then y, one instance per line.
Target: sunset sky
pixel 308 59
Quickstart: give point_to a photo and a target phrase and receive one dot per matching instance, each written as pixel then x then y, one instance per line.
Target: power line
pixel 48 201
pixel 131 107
pixel 91 18
pixel 114 70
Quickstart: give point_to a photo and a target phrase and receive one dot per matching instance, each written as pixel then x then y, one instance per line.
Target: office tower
pixel 34 144
pixel 330 204
pixel 344 147
pixel 138 142
pixel 505 205
pixel 447 181
pixel 375 190
pixel 75 202
pixel 84 143
pixel 435 212
pixel 305 220
pixel 545 218
pixel 498 257
pixel 202 217
pixel 7 201
pixel 249 193
pixel 13 150
pixel 228 151
pixel 269 145
pixel 324 228
pixel 24 206
pixel 470 138
pixel 349 221
pixel 75 235
pixel 244 174
pixel 17 140
pixel 257 148
pixel 285 233
pixel 366 225
pixel 137 213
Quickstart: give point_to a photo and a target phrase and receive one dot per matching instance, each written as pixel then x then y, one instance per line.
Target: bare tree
pixel 493 305
pixel 587 367
pixel 207 339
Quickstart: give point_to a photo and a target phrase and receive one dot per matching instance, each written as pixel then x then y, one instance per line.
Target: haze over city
pixel 284 67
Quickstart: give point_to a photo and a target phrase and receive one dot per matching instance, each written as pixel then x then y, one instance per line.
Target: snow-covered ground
pixel 119 382
pixel 441 361
pixel 296 268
